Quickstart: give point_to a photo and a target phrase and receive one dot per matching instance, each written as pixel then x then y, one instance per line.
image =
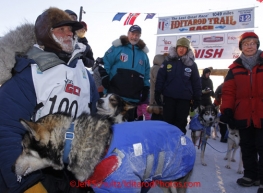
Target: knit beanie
pixel 183 42
pixel 52 18
pixel 245 36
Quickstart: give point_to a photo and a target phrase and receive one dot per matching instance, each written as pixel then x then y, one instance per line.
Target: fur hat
pixel 158 59
pixel 245 36
pixel 52 18
pixel 183 42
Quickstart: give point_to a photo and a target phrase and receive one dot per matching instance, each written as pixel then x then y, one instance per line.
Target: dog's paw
pixel 228 167
pixel 233 160
pixel 240 171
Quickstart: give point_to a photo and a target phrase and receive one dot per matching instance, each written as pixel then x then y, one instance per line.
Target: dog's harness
pixel 195 125
pixel 69 136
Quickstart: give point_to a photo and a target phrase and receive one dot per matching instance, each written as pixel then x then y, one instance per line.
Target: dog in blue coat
pixel 109 154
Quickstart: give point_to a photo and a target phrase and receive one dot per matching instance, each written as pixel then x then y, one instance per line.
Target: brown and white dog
pixel 48 135
pixel 44 143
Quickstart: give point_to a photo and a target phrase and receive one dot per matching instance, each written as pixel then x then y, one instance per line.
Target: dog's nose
pixel 100 101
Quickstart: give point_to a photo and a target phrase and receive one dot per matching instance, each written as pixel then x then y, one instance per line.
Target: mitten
pixel 102 72
pixel 105 80
pixel 228 117
pixel 99 60
pixel 145 93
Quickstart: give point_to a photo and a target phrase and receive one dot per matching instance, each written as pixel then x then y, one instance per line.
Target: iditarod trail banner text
pixel 207 22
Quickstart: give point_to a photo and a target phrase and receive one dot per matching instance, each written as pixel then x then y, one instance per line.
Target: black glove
pixel 102 72
pixel 145 93
pixel 228 117
pixel 195 105
pixel 99 60
pixel 157 98
pixel 105 80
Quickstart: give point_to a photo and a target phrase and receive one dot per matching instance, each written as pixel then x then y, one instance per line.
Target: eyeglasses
pixel 251 44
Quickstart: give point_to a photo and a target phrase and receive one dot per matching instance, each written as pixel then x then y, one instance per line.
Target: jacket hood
pixel 158 59
pixel 188 59
pixel 49 19
pixel 123 40
pixel 15 41
pixel 206 70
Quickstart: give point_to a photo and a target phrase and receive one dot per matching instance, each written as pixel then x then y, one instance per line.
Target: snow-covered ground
pixel 215 177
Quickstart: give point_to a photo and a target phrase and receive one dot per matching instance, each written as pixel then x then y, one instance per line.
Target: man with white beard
pixel 126 69
pixel 50 77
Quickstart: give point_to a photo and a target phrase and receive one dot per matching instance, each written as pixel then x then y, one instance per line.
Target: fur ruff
pixel 15 41
pixel 123 40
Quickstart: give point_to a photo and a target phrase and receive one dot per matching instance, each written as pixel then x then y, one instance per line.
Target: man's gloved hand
pixel 145 93
pixel 228 117
pixel 102 72
pixel 158 98
pixel 99 60
pixel 105 79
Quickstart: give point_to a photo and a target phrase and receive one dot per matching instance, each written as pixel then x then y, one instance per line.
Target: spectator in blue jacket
pixel 178 81
pixel 126 69
pixel 48 77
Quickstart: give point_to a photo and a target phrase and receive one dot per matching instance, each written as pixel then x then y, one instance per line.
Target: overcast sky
pixel 99 14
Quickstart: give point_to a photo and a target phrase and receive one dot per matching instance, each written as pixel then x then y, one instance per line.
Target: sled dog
pixel 232 146
pixel 201 124
pixel 44 144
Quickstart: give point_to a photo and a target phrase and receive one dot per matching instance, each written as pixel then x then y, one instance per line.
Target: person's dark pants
pixel 176 111
pixel 251 143
pixel 157 117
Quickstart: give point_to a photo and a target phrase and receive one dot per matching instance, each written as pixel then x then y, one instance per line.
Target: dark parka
pixel 242 92
pixel 206 83
pixel 178 81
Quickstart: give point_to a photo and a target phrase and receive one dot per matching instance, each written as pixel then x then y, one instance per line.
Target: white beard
pixel 134 42
pixel 67 47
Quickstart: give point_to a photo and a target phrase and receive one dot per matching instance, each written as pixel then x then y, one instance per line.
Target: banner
pixel 221 45
pixel 207 22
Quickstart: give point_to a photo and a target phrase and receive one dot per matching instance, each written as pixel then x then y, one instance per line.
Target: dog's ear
pixel 201 107
pixel 128 106
pixel 31 127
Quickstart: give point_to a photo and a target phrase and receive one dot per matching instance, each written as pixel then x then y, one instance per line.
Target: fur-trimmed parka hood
pixel 123 40
pixel 188 59
pixel 19 40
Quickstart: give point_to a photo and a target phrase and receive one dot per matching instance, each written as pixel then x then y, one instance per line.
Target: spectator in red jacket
pixel 242 107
